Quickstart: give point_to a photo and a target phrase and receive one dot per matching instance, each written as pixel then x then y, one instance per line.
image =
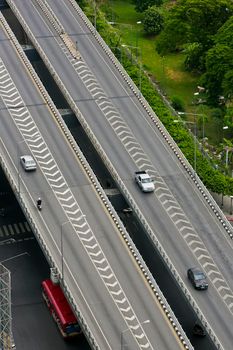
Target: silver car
pixel 28 163
pixel 144 181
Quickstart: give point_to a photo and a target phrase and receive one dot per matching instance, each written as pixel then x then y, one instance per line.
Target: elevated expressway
pixel 181 218
pixel 107 282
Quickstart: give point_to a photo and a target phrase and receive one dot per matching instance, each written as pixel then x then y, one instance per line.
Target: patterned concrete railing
pixel 50 16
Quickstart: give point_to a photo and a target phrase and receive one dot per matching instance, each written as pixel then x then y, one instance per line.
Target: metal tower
pixel 5 310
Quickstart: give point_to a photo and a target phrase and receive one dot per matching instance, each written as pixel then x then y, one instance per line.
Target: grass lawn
pixel 167 70
pixel 123 11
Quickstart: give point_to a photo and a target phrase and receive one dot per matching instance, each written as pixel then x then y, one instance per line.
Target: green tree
pixel 142 5
pixel 81 3
pixel 205 18
pixel 177 103
pixel 218 78
pixel 194 21
pixel 193 53
pixel 152 21
pixel 218 63
pixel 225 33
pixel 227 85
pixel 172 38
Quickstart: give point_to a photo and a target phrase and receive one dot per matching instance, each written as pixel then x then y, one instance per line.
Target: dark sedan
pixel 197 278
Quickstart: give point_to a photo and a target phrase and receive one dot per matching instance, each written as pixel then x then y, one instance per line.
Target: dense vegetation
pixel 202 29
pixel 142 5
pixel 198 26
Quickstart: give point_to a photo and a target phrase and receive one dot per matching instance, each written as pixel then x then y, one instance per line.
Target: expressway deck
pixel 179 215
pixel 80 234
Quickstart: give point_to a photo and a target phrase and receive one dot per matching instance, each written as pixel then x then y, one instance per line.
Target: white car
pixel 28 163
pixel 144 181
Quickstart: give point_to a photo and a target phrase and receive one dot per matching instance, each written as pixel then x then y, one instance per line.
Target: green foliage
pixel 205 17
pixel 172 38
pixel 152 21
pixel 194 21
pixel 216 113
pixel 227 85
pixel 217 77
pixel 142 5
pixel 164 45
pixel 194 57
pixel 177 103
pixel 219 60
pixel 82 3
pixel 224 35
pixel 222 80
pixel 228 118
pixel 109 12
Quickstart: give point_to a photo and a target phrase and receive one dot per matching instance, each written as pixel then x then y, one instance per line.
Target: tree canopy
pixel 203 30
pixel 142 5
pixel 218 62
pixel 218 78
pixel 194 21
pixel 152 20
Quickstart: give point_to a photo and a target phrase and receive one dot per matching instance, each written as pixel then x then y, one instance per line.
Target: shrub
pixel 177 103
pixel 152 21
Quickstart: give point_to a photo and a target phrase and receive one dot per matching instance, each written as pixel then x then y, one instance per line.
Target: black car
pixel 199 330
pixel 198 278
